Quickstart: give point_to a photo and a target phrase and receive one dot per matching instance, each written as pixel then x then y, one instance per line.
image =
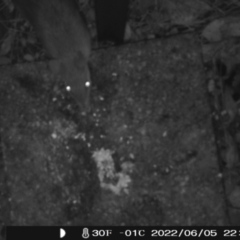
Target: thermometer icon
pixel 85 233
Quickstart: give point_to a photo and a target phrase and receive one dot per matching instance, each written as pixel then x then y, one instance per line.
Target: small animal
pixel 64 34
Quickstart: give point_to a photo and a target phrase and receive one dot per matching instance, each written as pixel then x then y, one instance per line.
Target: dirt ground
pixel 145 155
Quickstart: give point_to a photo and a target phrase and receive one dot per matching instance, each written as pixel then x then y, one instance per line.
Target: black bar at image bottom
pixel 85 232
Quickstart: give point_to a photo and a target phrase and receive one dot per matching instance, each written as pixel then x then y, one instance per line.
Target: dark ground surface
pixel 145 154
